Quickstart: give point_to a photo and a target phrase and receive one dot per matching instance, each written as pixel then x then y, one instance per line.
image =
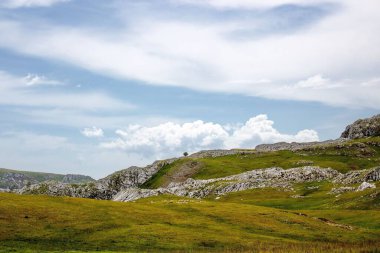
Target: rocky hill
pixel 349 163
pixel 14 179
pixel 363 128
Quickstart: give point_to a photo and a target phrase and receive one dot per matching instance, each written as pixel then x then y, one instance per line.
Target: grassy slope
pixel 307 196
pixel 348 156
pixel 41 223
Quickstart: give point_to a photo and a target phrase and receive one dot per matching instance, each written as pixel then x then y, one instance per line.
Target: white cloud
pixel 245 3
pixel 29 3
pixel 17 91
pixel 170 139
pixel 342 48
pixel 93 132
pixel 33 80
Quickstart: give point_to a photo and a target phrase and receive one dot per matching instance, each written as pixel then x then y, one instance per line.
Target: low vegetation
pixel 166 223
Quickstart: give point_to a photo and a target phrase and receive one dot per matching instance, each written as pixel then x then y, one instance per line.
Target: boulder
pixel 363 128
pixel 365 186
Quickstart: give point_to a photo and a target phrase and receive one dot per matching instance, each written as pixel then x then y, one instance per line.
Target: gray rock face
pixel 363 128
pixel 365 186
pixel 13 180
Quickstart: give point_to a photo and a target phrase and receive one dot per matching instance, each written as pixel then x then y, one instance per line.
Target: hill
pixel 15 179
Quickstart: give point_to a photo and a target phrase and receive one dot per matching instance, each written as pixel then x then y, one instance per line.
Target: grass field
pixel 166 223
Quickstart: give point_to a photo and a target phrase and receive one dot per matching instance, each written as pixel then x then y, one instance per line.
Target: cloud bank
pixel 231 52
pixel 172 139
pixel 29 3
pixel 20 91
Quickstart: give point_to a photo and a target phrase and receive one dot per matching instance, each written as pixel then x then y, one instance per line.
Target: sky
pixel 93 86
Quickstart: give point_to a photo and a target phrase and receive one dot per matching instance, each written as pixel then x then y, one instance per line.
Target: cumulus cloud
pixel 93 132
pixel 29 3
pixel 171 139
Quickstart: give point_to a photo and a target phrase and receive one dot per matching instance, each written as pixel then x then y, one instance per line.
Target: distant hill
pixel 15 179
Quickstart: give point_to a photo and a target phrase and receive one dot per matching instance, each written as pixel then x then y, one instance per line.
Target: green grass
pixel 166 223
pixel 343 157
pixel 307 196
pixel 162 177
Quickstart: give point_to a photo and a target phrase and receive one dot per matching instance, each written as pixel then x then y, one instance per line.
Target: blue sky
pixel 96 86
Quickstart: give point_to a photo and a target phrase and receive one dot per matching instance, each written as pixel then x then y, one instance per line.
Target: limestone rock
pixel 105 188
pixel 365 186
pixel 363 128
pixel 342 189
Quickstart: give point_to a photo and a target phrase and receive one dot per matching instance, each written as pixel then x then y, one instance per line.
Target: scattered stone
pixel 365 186
pixel 297 197
pixel 293 146
pixel 221 152
pixel 341 190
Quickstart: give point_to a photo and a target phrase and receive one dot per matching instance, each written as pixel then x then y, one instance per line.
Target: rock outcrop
pixel 363 128
pixel 293 146
pixel 365 186
pixel 105 188
pixel 359 176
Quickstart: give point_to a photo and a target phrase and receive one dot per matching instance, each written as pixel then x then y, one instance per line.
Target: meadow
pixel 242 222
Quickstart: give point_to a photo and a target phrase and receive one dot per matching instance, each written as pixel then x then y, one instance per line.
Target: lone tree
pixel 185 154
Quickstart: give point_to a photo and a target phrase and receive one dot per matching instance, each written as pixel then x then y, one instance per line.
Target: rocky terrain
pixel 177 174
pixel 105 188
pixel 265 178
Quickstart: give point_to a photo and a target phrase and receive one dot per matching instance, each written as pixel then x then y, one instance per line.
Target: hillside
pixel 15 179
pixel 343 157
